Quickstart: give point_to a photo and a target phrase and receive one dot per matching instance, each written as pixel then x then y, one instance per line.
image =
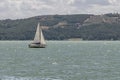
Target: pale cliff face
pixel 96 19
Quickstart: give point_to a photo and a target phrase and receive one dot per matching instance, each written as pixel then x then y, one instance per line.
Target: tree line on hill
pixel 63 27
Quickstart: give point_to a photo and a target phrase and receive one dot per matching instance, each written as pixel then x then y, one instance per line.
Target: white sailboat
pixel 39 41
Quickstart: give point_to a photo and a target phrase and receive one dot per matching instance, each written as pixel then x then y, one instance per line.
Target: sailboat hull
pixel 33 45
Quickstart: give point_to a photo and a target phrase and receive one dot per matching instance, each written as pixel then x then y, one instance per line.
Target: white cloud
pixel 28 8
pixel 98 9
pixel 112 1
pixel 70 1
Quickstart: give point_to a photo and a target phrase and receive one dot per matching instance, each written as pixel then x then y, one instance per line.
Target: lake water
pixel 60 60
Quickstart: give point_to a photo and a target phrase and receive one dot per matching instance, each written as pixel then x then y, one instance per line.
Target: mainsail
pixel 39 38
pixel 37 35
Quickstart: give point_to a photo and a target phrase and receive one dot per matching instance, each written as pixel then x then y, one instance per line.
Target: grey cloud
pixel 99 2
pixel 88 3
pixel 28 8
pixel 3 6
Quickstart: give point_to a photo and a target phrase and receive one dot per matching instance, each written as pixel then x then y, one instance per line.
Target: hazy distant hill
pixel 60 27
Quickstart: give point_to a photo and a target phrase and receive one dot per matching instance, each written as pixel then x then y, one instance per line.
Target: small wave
pixel 68 45
pixel 54 63
pixel 108 51
pixel 25 78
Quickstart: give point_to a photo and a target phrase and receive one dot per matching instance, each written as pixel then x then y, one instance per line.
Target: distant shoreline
pixel 63 40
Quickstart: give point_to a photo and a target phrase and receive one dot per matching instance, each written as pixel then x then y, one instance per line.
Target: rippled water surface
pixel 60 60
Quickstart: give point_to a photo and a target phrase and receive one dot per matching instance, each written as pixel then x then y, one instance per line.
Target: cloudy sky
pixel 14 9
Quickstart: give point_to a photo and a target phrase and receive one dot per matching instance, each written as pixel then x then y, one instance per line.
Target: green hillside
pixel 62 27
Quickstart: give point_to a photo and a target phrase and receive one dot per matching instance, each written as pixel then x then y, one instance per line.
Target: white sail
pixel 37 35
pixel 42 40
pixel 39 38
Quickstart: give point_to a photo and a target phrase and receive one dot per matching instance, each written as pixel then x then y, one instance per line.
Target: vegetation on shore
pixel 63 27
